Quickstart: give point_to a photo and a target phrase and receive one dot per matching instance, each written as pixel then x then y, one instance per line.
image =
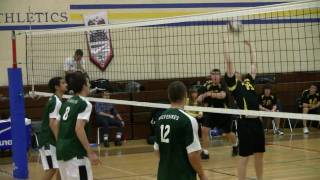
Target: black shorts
pixel 314 111
pixel 221 121
pixel 251 136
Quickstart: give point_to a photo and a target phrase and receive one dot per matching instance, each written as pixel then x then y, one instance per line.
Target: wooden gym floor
pixel 295 156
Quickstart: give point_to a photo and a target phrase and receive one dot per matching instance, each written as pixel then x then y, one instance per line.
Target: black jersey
pixel 215 88
pixel 268 101
pixel 310 99
pixel 243 92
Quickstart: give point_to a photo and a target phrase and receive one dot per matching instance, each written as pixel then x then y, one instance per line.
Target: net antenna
pixel 29 65
pixel 285 37
pixel 29 60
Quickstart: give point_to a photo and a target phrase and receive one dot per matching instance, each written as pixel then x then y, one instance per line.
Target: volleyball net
pixel 285 39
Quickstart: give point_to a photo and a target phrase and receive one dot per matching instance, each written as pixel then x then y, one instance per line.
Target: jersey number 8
pixel 66 114
pixel 165 130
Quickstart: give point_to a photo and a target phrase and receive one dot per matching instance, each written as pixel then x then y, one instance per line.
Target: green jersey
pixel 176 136
pixel 51 111
pixel 68 145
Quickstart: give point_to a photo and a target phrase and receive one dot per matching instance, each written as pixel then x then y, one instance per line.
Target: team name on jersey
pixel 169 116
pixel 72 101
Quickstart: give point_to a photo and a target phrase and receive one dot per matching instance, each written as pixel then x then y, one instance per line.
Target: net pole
pixel 19 131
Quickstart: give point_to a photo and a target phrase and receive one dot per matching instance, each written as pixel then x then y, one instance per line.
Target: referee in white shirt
pixel 74 64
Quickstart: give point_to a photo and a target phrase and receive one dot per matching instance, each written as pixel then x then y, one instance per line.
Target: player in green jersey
pixel 49 128
pixel 73 149
pixel 177 141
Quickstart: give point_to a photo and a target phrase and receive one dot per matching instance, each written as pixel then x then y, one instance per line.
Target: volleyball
pixel 235 26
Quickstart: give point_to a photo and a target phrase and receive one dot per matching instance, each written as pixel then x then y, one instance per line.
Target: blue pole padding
pixel 18 128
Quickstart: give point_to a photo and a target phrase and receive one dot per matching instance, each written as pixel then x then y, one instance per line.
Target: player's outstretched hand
pixel 94 158
pixel 246 42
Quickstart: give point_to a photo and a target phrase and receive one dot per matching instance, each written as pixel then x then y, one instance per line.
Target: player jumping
pixel 250 128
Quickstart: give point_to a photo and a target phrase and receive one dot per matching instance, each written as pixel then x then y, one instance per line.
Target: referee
pixel 213 94
pixel 250 129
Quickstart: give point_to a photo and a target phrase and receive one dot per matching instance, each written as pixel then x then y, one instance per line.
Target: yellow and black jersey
pixel 243 92
pixel 215 88
pixel 268 101
pixel 310 99
pixel 192 103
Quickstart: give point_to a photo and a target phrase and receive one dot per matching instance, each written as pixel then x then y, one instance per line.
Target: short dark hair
pixel 193 89
pixel 313 84
pixel 79 52
pixel 53 82
pixel 213 71
pixel 77 80
pixel 177 91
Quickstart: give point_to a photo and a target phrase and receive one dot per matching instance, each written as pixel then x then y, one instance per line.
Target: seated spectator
pixel 311 104
pixel 192 101
pixel 106 116
pixel 134 86
pixel 268 102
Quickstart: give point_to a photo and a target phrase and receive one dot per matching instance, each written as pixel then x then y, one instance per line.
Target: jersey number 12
pixel 165 130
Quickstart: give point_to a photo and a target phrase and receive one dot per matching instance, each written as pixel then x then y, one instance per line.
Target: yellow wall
pixel 54 11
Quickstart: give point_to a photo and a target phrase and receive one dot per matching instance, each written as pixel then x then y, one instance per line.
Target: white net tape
pixel 251 113
pixel 212 16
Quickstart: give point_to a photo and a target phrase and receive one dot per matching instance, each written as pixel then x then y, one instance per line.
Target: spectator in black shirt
pixel 311 104
pixel 268 102
pixel 250 129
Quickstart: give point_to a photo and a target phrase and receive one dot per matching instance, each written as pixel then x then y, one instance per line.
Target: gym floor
pixel 292 156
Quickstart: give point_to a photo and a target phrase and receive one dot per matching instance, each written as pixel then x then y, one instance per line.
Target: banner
pixel 99 41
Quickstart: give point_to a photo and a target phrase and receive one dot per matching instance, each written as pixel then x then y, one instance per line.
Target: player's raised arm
pixel 227 60
pixel 252 59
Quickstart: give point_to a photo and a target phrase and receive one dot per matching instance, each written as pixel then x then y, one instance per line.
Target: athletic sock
pixel 235 144
pixel 118 136
pixel 105 137
pixel 205 151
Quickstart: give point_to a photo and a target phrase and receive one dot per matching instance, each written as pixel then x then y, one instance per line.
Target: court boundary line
pixel 223 170
pixel 6 173
pixel 294 148
pixel 104 178
pixel 126 172
pixel 218 172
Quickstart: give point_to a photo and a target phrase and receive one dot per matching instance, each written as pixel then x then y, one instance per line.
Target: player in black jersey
pixel 311 104
pixel 250 129
pixel 268 102
pixel 213 94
